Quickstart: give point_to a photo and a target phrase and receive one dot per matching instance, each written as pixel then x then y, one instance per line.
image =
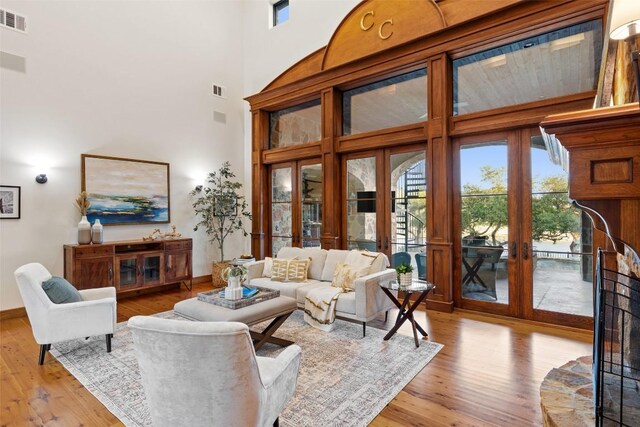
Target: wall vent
pixel 13 21
pixel 220 91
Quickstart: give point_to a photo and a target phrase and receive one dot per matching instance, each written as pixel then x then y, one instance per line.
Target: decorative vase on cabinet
pixel 96 232
pixel 84 231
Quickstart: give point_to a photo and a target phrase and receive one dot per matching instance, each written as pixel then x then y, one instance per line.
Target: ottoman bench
pixel 278 309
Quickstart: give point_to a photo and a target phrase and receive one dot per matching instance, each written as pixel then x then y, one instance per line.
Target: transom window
pixel 397 101
pixel 280 12
pixel 295 125
pixel 562 62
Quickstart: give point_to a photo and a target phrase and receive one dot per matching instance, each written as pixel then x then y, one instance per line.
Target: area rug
pixel 344 379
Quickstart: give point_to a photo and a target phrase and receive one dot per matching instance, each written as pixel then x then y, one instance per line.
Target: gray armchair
pixel 207 374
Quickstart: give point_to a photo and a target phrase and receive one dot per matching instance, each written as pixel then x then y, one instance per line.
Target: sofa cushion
pixel 346 303
pixel 316 255
pixel 334 256
pixel 380 262
pixel 60 291
pixel 287 289
pixel 361 261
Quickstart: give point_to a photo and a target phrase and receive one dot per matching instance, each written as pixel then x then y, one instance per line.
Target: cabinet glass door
pixel 281 208
pixel 311 204
pixel 152 269
pixel 127 271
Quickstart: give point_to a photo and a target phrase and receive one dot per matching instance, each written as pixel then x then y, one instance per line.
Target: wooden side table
pixel 407 307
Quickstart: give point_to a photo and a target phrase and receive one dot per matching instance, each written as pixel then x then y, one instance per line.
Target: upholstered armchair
pixel 52 323
pixel 207 374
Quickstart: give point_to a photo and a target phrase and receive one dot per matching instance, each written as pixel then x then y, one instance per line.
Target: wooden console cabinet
pixel 129 265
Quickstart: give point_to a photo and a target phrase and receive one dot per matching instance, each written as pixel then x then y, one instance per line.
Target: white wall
pixel 133 79
pixel 128 79
pixel 268 52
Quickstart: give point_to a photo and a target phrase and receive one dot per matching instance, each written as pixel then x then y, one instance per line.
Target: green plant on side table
pixel 405 274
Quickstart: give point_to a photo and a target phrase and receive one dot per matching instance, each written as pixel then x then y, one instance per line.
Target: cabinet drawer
pixel 93 251
pixel 176 246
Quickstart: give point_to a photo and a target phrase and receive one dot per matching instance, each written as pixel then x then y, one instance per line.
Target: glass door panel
pixel 311 198
pixel 361 204
pixel 409 210
pixel 281 209
pixel 484 212
pixel 127 271
pixel 561 253
pixel 152 269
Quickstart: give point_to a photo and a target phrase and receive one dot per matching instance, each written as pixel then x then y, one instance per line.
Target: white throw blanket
pixel 320 307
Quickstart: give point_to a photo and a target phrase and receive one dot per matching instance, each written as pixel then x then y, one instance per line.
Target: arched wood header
pixel 374 26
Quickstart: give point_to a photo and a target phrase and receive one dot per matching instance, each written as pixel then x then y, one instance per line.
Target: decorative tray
pixel 213 297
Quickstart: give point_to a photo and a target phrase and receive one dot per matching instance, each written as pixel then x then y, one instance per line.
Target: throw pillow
pixel 60 291
pixel 279 270
pixel 267 270
pixel 297 270
pixel 346 275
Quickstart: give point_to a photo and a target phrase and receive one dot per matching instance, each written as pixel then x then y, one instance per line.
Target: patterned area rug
pixel 344 379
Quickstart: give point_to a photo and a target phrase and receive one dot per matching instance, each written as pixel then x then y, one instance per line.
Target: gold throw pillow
pixel 297 270
pixel 279 270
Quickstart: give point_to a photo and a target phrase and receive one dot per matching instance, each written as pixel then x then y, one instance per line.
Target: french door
pixel 521 249
pixel 385 204
pixel 296 204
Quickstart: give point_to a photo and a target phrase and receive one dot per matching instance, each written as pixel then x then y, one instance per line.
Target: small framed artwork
pixel 9 202
pixel 126 191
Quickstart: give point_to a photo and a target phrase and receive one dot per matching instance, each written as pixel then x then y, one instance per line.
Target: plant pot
pixel 405 279
pixel 216 273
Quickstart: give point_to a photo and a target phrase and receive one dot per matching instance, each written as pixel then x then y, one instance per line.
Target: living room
pixel 135 80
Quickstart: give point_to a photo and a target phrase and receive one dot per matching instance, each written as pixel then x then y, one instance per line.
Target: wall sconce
pixel 625 24
pixel 42 178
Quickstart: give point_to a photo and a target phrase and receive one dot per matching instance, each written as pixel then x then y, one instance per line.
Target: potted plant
pixel 222 211
pixel 405 274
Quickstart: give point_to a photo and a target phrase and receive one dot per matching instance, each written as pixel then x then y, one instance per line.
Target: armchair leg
pixel 364 329
pixel 109 336
pixel 43 352
pixel 276 423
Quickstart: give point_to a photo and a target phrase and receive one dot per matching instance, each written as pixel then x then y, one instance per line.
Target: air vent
pixel 13 21
pixel 220 91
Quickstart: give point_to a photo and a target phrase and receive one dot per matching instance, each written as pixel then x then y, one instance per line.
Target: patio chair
pixel 421 262
pixel 400 258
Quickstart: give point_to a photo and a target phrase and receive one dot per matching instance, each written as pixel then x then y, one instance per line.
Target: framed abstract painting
pixel 126 191
pixel 9 202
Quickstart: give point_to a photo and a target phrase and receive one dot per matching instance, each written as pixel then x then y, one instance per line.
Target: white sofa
pixel 365 304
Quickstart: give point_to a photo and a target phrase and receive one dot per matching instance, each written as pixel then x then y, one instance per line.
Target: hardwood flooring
pixel 488 373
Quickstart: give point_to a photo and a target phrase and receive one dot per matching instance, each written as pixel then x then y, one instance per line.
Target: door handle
pixel 525 252
pixel 379 243
pixel 386 243
pixel 110 275
pixel 166 265
pixel 514 250
pixel 140 271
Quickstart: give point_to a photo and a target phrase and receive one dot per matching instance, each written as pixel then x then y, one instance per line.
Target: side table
pixel 407 307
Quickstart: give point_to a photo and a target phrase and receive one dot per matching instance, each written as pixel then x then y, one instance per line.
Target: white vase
pixel 84 231
pixel 405 279
pixel 96 232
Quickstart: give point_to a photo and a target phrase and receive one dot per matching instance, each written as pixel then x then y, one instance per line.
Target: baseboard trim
pixel 444 306
pixel 13 313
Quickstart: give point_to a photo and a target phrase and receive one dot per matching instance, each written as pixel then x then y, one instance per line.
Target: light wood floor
pixel 488 373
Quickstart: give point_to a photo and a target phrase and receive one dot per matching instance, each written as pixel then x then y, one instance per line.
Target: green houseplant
pixel 405 274
pixel 222 210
